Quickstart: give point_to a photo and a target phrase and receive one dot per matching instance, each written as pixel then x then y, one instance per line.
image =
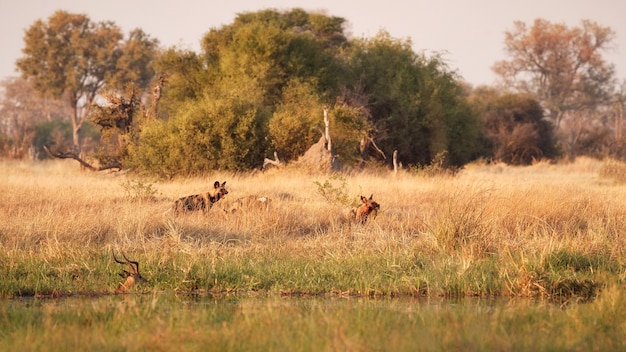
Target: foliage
pixel 22 112
pixel 563 67
pixel 186 78
pixel 138 189
pixel 350 128
pixel 56 133
pixel 120 120
pixel 334 190
pixel 260 86
pixel 73 57
pixel 224 133
pixel 296 123
pixel 416 104
pixel 288 65
pixel 515 127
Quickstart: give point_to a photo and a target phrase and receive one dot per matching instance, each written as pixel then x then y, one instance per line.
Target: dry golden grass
pixel 518 215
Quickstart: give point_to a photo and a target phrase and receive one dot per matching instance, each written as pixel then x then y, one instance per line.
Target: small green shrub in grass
pixel 139 190
pixel 334 190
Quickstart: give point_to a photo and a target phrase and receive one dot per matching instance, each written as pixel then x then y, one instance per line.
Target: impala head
pixel 369 207
pixel 132 275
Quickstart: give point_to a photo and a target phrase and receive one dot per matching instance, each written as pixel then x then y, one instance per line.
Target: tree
pixel 416 104
pixel 73 58
pixel 213 133
pixel 263 63
pixel 187 78
pixel 563 67
pixel 515 127
pixel 295 125
pixel 22 110
pixel 261 83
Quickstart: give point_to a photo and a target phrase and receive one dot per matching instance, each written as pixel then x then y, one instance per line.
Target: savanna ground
pixel 545 233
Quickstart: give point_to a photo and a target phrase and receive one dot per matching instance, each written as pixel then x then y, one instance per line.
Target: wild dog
pixel 363 212
pixel 203 201
pixel 248 203
pixel 132 277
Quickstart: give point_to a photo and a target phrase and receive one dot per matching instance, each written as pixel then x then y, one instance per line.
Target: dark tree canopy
pixel 516 127
pixel 416 104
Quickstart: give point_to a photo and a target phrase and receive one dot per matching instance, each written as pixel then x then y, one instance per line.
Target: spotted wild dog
pixel 203 201
pixel 369 207
pixel 132 277
pixel 249 203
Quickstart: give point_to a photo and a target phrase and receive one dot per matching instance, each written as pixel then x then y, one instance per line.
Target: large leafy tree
pixel 416 104
pixel 272 64
pixel 562 66
pixel 71 57
pixel 279 70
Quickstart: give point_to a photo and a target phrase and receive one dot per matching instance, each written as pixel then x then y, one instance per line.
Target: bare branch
pixel 275 162
pixel 73 155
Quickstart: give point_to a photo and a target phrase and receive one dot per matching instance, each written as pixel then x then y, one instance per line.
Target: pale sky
pixel 469 33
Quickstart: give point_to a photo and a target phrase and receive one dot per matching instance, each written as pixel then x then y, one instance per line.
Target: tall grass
pixel 549 231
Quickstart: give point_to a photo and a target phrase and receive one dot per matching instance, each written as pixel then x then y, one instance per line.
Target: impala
pixel 132 277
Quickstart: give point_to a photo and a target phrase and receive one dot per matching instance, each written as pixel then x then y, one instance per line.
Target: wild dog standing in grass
pixel 249 203
pixel 204 201
pixel 363 212
pixel 132 277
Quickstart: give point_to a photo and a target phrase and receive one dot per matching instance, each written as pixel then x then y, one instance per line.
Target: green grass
pixel 235 323
pixel 384 274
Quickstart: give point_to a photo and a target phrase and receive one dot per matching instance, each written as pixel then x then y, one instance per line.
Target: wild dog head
pixel 132 277
pixel 369 207
pixel 203 201
pixel 218 192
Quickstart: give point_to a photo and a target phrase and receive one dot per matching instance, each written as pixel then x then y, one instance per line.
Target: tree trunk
pixel 329 145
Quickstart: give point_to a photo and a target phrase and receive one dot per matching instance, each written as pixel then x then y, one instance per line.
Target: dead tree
pixel 156 96
pixel 365 144
pixel 329 145
pixel 395 162
pixel 275 162
pixel 72 155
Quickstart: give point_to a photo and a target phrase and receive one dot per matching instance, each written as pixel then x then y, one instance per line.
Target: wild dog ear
pixel 372 196
pixel 216 184
pixel 223 183
pixel 363 199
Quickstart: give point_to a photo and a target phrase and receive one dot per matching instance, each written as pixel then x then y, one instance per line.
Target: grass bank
pixel 545 231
